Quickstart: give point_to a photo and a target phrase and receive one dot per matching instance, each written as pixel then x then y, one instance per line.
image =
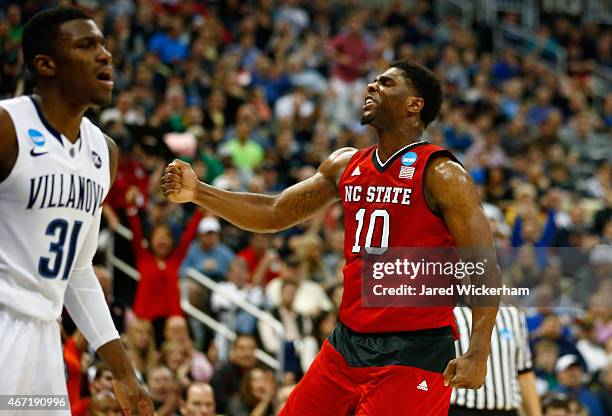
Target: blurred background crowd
pixel 256 94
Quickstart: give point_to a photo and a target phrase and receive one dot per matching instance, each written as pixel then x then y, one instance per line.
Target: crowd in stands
pixel 256 94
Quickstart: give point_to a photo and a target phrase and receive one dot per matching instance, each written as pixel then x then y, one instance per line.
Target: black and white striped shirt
pixel 510 355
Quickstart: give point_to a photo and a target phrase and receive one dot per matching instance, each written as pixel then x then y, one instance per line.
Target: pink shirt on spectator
pixel 357 49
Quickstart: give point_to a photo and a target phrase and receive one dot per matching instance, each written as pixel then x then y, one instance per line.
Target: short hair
pixel 288 282
pixel 240 335
pixel 555 401
pixel 185 391
pixel 101 368
pixel 41 31
pixel 427 85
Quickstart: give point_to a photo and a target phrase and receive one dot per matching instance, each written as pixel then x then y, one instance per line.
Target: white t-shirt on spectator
pixel 284 107
pixel 310 297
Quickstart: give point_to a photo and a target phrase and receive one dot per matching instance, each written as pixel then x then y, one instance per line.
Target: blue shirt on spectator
pixel 169 49
pixel 214 263
pixel 586 397
pixel 456 140
pixel 273 87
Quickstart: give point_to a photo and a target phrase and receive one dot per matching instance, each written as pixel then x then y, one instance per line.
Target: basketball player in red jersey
pixel 378 361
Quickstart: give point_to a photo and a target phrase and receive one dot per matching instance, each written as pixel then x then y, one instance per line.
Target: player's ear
pixel 44 65
pixel 414 104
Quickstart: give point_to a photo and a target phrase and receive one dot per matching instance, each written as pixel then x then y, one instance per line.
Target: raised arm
pixel 189 233
pixel 450 191
pixel 257 212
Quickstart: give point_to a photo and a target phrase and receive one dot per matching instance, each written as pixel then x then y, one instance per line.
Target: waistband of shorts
pixel 428 332
pixel 23 317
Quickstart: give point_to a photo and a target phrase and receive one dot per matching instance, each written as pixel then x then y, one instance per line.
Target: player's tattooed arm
pixel 113 155
pixel 258 212
pixel 452 193
pixel 8 145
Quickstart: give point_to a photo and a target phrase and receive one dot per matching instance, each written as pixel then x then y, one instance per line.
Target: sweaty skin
pixel 393 112
pixel 257 212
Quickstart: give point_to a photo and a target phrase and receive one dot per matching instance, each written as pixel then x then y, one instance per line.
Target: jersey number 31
pixel 50 267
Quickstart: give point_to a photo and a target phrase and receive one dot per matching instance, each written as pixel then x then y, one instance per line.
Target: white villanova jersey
pixel 49 204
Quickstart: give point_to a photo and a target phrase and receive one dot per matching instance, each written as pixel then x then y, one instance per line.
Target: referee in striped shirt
pixel 510 380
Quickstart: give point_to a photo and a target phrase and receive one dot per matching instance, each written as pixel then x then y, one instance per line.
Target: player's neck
pixel 62 115
pixel 390 141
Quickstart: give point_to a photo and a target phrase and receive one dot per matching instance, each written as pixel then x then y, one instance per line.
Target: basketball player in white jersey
pixel 56 168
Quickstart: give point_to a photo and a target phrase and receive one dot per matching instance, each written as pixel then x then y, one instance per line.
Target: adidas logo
pixel 423 386
pixel 356 172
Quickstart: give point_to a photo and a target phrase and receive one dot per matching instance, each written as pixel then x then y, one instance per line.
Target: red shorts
pixel 331 387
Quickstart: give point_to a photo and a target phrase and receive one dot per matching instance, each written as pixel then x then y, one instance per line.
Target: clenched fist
pixel 466 372
pixel 179 183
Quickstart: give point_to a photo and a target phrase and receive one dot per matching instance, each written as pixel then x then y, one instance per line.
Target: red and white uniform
pixel 383 360
pixel 384 206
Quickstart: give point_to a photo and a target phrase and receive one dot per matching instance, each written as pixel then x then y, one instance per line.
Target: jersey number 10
pixel 50 268
pixel 384 239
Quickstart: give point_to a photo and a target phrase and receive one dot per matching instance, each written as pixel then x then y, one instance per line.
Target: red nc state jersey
pixel 384 207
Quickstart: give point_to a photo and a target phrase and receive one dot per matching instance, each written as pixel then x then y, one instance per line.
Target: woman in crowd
pixel 157 295
pixel 140 345
pixel 256 394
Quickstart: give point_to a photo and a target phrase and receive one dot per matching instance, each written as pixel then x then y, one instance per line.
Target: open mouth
pixel 369 103
pixel 105 77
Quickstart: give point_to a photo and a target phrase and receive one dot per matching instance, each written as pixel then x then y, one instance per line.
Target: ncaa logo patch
pixel 97 160
pixel 37 137
pixel 409 158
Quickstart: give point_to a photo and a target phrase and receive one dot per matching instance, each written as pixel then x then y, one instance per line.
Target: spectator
pixel 200 369
pixel 245 152
pixel 236 286
pixel 552 330
pixel 485 153
pixel 226 380
pixel 198 400
pixel 310 298
pixel 140 343
pixel 260 258
pixel 556 405
pixel 296 327
pixel 163 391
pixel 207 254
pixel 157 296
pixel 309 251
pixel 569 373
pixel 171 46
pixel 538 113
pixel 323 325
pixel 104 404
pixel 589 346
pixel 272 79
pixel 257 391
pixel 123 112
pixel 175 356
pixel 295 106
pixel 605 390
pixel 74 350
pixel 351 59
pixel 103 380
